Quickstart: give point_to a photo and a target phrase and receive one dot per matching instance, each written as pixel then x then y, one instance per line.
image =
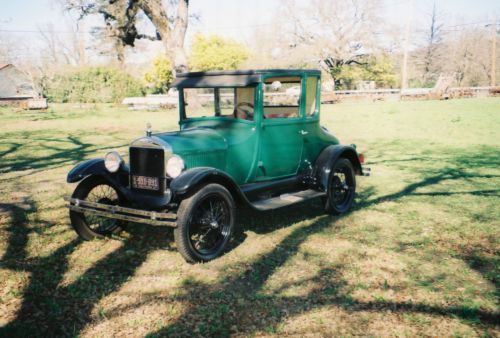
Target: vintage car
pixel 246 139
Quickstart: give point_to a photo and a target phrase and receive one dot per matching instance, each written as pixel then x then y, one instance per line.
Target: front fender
pixel 119 180
pixel 328 157
pixel 95 167
pixel 84 169
pixel 191 180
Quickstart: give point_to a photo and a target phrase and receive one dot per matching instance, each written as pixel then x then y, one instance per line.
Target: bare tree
pixel 56 50
pixel 468 57
pixel 432 58
pixel 120 17
pixel 332 34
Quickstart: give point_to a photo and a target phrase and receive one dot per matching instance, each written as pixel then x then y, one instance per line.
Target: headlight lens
pixel 113 161
pixel 175 166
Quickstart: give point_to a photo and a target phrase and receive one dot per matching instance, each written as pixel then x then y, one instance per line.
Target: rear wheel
pixel 205 223
pixel 341 187
pixel 89 225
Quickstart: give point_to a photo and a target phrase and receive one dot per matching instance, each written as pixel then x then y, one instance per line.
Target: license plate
pixel 145 182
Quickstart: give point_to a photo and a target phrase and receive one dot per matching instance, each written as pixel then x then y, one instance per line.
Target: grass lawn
pixel 417 256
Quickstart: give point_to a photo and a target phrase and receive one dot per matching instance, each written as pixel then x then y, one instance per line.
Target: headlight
pixel 113 161
pixel 175 165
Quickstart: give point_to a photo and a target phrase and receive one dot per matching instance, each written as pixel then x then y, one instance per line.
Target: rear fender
pixel 328 157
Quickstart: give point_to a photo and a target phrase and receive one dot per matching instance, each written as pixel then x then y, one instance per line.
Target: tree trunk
pixel 173 40
pixel 176 40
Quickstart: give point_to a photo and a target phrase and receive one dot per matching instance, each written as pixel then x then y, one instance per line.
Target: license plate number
pixel 145 182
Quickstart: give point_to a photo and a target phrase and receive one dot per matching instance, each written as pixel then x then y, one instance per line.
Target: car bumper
pixel 122 213
pixel 366 171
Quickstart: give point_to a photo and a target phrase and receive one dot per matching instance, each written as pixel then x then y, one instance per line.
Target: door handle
pixel 303 132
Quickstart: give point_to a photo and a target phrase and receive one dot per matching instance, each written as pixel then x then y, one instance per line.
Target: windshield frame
pixel 182 106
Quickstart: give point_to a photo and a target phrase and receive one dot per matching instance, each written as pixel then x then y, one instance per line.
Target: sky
pixel 20 19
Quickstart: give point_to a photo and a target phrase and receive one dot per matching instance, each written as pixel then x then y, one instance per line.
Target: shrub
pixel 160 76
pixel 216 53
pixel 92 85
pixel 379 69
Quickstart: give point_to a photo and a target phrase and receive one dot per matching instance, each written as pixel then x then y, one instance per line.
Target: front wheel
pixel 205 223
pixel 341 187
pixel 88 225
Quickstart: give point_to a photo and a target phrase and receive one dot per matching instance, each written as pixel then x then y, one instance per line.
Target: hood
pixel 194 140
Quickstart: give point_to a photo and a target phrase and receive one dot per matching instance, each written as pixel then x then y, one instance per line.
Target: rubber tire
pixel 184 211
pixel 329 208
pixel 78 219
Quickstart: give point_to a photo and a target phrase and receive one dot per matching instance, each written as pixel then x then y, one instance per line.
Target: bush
pixel 92 85
pixel 216 53
pixel 160 76
pixel 378 69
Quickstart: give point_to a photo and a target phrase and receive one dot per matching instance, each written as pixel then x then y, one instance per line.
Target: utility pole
pixel 493 52
pixel 404 68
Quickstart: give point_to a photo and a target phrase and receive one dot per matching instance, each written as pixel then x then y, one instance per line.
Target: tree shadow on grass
pixel 72 150
pixel 464 166
pixel 12 147
pixel 237 302
pixel 54 309
pixel 485 261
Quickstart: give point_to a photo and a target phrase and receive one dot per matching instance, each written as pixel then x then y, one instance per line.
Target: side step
pixel 287 199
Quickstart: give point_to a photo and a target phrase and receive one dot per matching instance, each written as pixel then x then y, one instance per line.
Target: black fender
pixel 193 179
pixel 326 159
pixel 96 167
pixel 84 169
pixel 119 180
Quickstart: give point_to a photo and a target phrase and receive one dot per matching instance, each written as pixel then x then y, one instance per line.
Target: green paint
pixel 258 150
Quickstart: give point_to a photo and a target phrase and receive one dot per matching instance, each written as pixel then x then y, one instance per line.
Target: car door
pixel 312 132
pixel 281 140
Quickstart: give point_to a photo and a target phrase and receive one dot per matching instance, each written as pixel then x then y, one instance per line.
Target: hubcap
pixel 209 226
pixel 341 187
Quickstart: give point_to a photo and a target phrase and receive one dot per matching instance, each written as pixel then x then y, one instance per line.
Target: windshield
pixel 236 102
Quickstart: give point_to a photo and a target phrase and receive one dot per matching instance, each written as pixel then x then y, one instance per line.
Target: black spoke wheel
pixel 89 225
pixel 205 223
pixel 341 187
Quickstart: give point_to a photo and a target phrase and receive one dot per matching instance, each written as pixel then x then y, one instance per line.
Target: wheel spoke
pixel 105 194
pixel 207 229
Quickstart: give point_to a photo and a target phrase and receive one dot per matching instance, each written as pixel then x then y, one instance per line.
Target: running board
pixel 287 199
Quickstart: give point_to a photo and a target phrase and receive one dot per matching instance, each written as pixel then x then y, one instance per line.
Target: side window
pixel 282 97
pixel 311 91
pixel 243 103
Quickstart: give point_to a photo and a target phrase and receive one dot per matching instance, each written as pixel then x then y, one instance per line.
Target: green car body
pixel 250 151
pixel 254 139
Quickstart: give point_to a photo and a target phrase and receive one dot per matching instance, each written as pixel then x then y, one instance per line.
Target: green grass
pixel 417 256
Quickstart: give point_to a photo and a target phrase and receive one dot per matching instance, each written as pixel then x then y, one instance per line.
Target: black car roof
pixel 249 72
pixel 232 78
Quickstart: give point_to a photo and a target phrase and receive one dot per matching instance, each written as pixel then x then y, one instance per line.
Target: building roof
pixel 15 84
pixel 233 78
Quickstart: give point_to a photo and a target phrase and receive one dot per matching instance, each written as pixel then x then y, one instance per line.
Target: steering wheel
pixel 243 110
